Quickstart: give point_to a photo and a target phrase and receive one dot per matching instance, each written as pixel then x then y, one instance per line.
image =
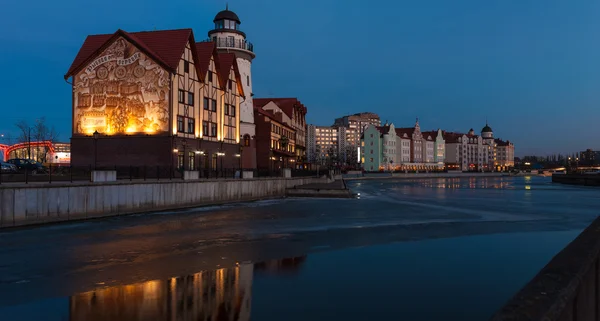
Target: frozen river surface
pixel 432 249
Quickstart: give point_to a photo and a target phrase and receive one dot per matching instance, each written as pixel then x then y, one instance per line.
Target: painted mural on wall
pixel 122 91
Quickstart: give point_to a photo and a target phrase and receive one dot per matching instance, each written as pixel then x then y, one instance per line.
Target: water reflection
pixel 223 294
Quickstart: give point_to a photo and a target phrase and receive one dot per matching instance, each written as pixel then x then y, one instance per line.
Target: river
pixel 428 249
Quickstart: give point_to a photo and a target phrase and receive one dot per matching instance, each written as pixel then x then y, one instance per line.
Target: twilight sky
pixel 532 67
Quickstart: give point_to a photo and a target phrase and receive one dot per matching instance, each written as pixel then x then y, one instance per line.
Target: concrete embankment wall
pixel 567 289
pixel 422 175
pixel 34 204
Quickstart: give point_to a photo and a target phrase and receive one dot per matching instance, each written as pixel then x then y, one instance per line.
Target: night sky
pixel 531 67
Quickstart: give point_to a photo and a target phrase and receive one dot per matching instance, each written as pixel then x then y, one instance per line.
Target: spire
pixel 226 5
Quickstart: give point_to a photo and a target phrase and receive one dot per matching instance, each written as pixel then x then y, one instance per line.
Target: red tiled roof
pixel 408 131
pixel 500 142
pixel 165 46
pixel 91 44
pixel 205 51
pixel 431 135
pixel 274 116
pixel 226 62
pixel 383 129
pixel 451 137
pixel 286 104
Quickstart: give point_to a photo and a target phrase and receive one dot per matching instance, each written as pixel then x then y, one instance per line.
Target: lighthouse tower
pixel 229 38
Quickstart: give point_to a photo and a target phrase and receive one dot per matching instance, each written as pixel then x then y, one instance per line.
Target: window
pixel 205 128
pixel 180 124
pixel 232 111
pixel 206 103
pixel 191 161
pixel 213 129
pixel 191 125
pixel 181 96
pixel 186 66
pixel 214 105
pixel 190 98
pixel 230 84
pixel 180 160
pixel 248 80
pixel 246 139
pixel 210 76
pixel 226 110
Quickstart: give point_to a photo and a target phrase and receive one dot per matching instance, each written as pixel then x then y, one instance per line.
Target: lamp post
pixel 96 135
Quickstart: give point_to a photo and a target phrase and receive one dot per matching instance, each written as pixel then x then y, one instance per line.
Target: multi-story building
pixel 355 126
pixel 358 122
pixel 470 152
pixel 389 148
pixel 158 98
pixel 505 155
pixel 294 114
pixel 327 145
pixel 275 140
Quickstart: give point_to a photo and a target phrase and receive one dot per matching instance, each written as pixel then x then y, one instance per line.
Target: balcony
pixel 232 43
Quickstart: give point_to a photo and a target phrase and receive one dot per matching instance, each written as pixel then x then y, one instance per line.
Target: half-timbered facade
pixel 155 98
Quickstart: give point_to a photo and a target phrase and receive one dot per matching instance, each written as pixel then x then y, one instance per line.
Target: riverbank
pixel 577 179
pixel 420 175
pixel 25 204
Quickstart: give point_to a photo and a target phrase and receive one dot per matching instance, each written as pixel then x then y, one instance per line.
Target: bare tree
pixel 38 132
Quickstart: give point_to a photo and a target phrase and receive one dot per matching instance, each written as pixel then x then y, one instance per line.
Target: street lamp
pixel 96 135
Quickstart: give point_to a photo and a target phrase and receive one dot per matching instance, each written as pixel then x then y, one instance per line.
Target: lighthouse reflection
pixel 223 294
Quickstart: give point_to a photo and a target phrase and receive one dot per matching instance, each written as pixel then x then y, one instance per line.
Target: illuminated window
pixel 181 96
pixel 191 161
pixel 180 124
pixel 191 122
pixel 226 110
pixel 213 129
pixel 180 160
pixel 205 128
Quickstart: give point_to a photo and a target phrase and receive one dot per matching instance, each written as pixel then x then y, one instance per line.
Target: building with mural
pixel 159 98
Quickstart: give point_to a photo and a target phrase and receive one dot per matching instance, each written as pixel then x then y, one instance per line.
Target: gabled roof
pixel 278 117
pixel 452 137
pixel 205 51
pixel 384 130
pixel 408 131
pixel 226 62
pixel 164 46
pixel 500 142
pixel 286 104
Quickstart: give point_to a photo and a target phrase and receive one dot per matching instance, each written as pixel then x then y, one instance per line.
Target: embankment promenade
pixel 358 176
pixel 28 204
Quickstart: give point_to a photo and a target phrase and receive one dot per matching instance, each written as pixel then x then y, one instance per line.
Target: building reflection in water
pixel 223 294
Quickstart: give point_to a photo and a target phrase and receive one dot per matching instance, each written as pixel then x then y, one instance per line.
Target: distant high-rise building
pixel 327 145
pixel 589 157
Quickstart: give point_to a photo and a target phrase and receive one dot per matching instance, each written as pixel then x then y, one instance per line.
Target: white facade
pixel 229 38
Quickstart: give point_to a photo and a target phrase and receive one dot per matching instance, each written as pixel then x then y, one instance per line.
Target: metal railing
pixel 232 43
pixel 56 173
